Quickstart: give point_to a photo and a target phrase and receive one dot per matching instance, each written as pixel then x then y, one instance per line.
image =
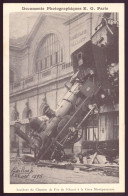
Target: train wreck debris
pixel 94 83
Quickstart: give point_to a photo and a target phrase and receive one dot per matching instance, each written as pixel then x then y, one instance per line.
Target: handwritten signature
pixel 24 172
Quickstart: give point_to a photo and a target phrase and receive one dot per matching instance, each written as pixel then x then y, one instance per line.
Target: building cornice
pixel 18 47
pixel 39 86
pixel 74 18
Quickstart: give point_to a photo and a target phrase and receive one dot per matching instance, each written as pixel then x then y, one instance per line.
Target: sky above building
pixel 21 24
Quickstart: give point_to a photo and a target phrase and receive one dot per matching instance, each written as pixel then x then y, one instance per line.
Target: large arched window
pixel 49 53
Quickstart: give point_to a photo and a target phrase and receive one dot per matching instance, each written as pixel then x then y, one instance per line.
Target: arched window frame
pixel 15 113
pixel 50 52
pixel 27 112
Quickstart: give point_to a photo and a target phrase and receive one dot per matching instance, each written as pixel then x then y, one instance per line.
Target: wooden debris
pixel 108 169
pixel 92 159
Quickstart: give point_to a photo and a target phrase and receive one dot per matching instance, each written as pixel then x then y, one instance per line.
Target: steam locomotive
pixel 94 83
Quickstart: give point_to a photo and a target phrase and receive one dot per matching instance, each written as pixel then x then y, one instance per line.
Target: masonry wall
pixel 72 35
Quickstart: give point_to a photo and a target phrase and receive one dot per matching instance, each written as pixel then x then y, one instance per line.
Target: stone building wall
pixel 33 86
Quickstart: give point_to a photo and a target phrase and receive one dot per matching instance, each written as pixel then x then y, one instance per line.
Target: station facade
pixel 40 66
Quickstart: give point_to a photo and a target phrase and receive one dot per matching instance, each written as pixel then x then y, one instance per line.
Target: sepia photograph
pixel 64 98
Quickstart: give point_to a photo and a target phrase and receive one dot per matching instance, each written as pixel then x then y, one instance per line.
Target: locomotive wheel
pixel 35 142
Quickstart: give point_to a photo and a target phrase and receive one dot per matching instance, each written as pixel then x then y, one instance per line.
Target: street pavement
pixel 28 173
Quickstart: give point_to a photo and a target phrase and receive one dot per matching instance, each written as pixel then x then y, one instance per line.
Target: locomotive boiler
pixel 94 83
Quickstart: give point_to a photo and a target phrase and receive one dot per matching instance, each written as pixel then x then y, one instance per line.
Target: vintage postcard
pixel 64 127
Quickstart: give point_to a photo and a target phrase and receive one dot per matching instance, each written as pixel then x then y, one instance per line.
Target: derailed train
pixel 94 83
